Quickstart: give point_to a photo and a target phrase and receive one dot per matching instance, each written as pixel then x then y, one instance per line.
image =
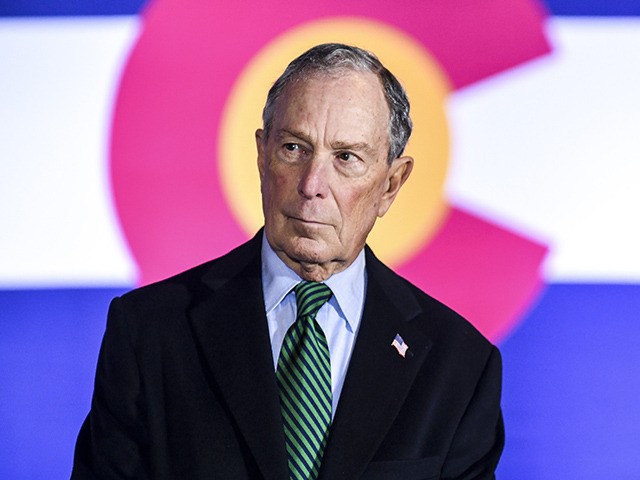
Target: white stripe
pixel 550 148
pixel 553 148
pixel 57 82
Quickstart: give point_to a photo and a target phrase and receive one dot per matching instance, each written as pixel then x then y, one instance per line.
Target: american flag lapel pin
pixel 399 345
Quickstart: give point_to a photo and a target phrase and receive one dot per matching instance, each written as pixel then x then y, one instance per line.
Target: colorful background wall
pixel 127 154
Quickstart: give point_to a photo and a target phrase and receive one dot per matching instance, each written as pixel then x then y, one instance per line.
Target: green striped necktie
pixel 304 383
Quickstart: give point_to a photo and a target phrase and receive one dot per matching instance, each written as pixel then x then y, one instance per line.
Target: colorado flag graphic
pixel 127 155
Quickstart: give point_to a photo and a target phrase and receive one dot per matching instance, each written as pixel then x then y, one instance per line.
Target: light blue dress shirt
pixel 339 318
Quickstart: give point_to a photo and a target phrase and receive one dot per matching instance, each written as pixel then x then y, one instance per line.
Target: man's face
pixel 324 171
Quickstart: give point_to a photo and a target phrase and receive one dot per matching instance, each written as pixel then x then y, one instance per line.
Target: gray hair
pixel 334 57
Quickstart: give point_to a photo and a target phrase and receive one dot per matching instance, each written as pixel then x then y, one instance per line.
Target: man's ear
pixel 260 147
pixel 398 173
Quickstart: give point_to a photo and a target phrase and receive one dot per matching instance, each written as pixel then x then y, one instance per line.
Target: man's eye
pixel 346 156
pixel 292 147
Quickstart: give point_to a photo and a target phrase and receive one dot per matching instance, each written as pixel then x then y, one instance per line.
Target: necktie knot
pixel 310 296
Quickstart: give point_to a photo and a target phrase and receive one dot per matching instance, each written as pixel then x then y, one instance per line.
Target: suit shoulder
pixel 439 321
pixel 178 292
pixel 446 321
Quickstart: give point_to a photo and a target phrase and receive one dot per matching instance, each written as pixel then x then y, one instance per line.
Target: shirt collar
pixel 347 286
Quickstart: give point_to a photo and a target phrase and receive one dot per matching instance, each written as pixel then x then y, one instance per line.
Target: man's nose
pixel 314 178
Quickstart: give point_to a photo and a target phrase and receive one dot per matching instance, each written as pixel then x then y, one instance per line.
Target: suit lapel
pixel 378 378
pixel 231 330
pixel 233 339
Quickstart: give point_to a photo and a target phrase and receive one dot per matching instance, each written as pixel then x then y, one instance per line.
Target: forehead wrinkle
pixel 293 110
pixel 335 145
pixel 282 132
pixel 354 146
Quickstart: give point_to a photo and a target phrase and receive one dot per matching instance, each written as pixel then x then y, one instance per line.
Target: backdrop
pixel 126 154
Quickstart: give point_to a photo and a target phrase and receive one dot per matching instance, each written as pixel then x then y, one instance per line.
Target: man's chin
pixel 309 250
pixel 312 259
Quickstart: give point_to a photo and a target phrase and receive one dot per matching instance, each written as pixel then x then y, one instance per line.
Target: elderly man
pixel 299 354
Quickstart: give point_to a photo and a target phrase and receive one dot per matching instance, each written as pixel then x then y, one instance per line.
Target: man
pixel 228 370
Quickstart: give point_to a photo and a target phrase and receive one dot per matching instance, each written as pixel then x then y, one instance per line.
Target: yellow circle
pixel 420 205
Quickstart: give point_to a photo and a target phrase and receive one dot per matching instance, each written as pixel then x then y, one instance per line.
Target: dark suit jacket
pixel 185 386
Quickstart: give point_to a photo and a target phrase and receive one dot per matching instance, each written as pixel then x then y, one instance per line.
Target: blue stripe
pixel 55 8
pixel 301 433
pixel 49 342
pixel 299 439
pixel 298 389
pixel 595 8
pixel 13 8
pixel 572 386
pixel 571 381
